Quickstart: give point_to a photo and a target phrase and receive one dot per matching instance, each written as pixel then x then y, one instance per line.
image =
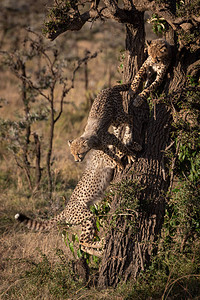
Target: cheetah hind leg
pixel 93 248
pixel 99 244
pixel 91 251
pixel 86 239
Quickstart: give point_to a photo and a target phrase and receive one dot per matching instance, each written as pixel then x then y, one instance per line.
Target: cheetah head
pixel 79 148
pixel 159 50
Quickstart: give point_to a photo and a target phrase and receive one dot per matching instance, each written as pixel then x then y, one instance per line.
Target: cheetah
pixel 89 190
pixel 157 62
pixel 107 110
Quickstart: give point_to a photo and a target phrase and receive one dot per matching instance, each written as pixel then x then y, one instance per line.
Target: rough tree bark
pixel 129 248
pixel 128 251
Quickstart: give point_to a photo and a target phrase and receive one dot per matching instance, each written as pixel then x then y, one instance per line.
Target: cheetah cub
pixel 157 62
pixel 107 110
pixel 89 190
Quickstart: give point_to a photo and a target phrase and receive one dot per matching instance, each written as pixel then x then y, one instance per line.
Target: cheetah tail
pixel 31 224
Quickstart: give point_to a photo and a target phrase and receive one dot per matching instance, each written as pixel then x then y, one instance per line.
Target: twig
pixel 173 282
pixel 170 145
pixel 30 83
pixel 38 156
pixel 65 90
pixel 11 285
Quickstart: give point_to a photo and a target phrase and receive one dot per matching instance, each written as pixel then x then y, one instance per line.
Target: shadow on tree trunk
pixel 129 248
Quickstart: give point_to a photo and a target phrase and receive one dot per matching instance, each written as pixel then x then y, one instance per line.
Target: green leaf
pixel 159 28
pixel 98 224
pixel 66 244
pixel 68 238
pixel 95 259
pixel 76 238
pixel 120 81
pixel 79 253
pixel 71 247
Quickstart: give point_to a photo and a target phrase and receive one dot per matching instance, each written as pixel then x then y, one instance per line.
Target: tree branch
pixel 65 90
pixel 74 21
pixel 163 10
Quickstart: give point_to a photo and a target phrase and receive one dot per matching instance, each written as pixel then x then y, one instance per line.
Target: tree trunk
pixel 129 248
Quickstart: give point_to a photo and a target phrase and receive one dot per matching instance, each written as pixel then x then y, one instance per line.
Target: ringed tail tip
pixel 17 216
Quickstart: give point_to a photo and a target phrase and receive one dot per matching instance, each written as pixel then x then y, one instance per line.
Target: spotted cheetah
pixel 88 191
pixel 107 110
pixel 157 62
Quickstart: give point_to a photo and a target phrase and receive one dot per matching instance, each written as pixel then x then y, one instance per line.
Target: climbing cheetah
pixel 88 191
pixel 158 61
pixel 107 110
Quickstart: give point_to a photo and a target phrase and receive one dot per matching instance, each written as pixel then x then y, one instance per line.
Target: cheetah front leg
pixel 111 139
pixel 139 100
pixel 115 158
pixel 127 139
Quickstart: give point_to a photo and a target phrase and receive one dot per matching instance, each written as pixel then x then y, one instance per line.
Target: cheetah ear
pixel 148 43
pixel 69 142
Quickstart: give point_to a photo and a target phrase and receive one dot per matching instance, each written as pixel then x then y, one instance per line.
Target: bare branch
pixel 65 90
pixel 38 158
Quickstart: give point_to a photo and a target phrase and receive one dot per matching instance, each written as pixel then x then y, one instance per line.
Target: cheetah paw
pixel 130 159
pixel 99 244
pixel 98 253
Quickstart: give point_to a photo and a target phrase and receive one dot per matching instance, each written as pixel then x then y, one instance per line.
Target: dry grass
pixel 19 248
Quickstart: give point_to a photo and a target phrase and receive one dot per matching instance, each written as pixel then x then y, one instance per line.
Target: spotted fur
pixel 107 110
pixel 88 191
pixel 157 62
